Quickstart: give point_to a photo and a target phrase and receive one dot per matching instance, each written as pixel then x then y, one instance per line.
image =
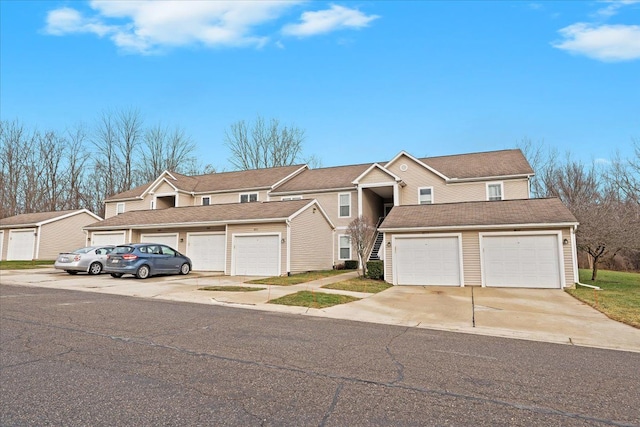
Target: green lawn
pixel 619 298
pixel 313 299
pixel 358 284
pixel 24 265
pixel 295 279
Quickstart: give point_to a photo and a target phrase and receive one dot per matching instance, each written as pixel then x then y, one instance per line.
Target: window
pixel 119 208
pixel 345 205
pixel 292 198
pixel 206 201
pixel 425 195
pixel 153 204
pixel 494 191
pixel 345 247
pixel 248 197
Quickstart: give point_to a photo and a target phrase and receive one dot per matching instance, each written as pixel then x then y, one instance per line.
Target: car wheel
pixel 143 272
pixel 185 268
pixel 95 268
pixel 71 272
pixel 116 275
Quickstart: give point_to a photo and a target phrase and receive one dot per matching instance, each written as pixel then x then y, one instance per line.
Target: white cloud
pixel 609 43
pixel 152 26
pixel 325 21
pixel 613 7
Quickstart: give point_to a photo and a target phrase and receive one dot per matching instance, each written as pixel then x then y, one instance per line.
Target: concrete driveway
pixel 534 314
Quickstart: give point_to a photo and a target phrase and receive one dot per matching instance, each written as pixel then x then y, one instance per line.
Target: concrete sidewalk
pixel 534 314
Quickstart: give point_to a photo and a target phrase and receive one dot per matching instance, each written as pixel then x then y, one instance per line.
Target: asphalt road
pixel 76 358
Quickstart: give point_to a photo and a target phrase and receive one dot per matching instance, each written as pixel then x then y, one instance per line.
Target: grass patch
pixel 619 298
pixel 230 288
pixel 295 279
pixel 25 265
pixel 313 299
pixel 358 284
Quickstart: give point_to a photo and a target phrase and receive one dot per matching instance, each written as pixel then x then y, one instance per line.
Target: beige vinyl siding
pixel 311 242
pixel 388 258
pixel 231 197
pixel 567 256
pixel 376 176
pixel 516 189
pixel 330 204
pixel 471 258
pixel 63 235
pixel 129 205
pixel 4 236
pixel 184 199
pixel 417 176
pixel 164 189
pixel 268 228
pixel 370 202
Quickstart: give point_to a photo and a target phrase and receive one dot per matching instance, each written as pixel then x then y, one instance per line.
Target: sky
pixel 364 79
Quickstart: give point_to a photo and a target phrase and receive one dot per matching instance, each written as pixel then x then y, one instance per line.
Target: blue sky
pixel 365 79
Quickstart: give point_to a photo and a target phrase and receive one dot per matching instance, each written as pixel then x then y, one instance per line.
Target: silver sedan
pixel 90 260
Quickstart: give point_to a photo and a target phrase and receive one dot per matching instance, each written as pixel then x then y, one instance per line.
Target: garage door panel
pixel 526 261
pixel 21 245
pixel 428 261
pixel 169 239
pixel 257 255
pixel 207 251
pixel 115 238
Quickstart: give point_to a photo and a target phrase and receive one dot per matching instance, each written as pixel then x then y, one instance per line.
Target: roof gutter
pixel 487 178
pixel 184 224
pixel 476 227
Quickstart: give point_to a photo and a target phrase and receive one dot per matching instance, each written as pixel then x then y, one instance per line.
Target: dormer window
pixel 248 197
pixel 206 201
pixel 494 191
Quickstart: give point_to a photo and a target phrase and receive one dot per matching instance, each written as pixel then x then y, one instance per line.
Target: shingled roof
pixel 323 179
pixel 217 182
pixel 481 165
pixel 191 215
pixel 485 213
pixel 34 219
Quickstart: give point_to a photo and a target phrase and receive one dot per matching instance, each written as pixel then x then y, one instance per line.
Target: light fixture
pixel 565 242
pixel 388 244
pixel 282 241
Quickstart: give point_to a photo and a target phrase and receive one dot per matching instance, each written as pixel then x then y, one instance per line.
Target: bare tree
pixel 263 144
pixel 362 233
pixel 51 150
pixel 76 168
pixel 624 174
pixel 165 149
pixel 14 141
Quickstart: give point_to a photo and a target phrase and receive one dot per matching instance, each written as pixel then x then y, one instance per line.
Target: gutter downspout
pixel 288 247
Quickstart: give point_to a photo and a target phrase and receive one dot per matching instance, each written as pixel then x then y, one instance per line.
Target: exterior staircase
pixel 375 252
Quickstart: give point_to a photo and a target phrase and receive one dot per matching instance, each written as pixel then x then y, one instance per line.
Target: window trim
pixel 431 194
pixel 118 205
pixel 340 205
pixel 340 236
pixel 257 193
pixel 492 184
pixel 208 202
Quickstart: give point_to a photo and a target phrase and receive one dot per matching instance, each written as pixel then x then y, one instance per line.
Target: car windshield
pixel 83 250
pixel 122 250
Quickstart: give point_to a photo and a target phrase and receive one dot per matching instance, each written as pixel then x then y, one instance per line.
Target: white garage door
pixel 206 251
pixel 21 244
pixel 111 238
pixel 169 239
pixel 521 261
pixel 256 255
pixel 427 261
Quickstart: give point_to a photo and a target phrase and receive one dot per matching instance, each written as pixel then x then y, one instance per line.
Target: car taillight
pixel 129 256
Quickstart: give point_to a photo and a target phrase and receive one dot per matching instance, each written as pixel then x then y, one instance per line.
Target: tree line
pixel 604 196
pixel 81 166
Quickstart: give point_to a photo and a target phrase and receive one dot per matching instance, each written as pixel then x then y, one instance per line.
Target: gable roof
pixel 381 169
pixel 216 182
pixel 526 212
pixel 211 214
pixel 332 178
pixel 39 218
pixel 488 164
